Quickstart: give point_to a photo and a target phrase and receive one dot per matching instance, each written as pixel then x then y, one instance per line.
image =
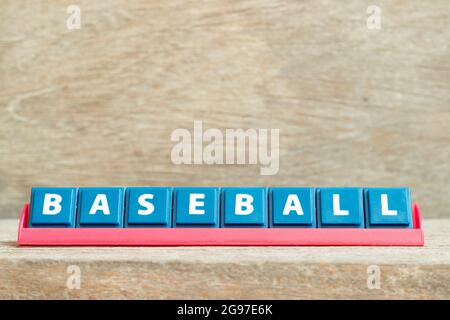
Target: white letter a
pixel 100 203
pixel 293 203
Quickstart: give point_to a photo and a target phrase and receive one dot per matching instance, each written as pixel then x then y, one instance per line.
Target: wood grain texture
pixel 96 106
pixel 227 272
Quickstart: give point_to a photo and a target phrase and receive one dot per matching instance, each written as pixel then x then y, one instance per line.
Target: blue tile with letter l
pixel 196 207
pixel 53 207
pixel 388 207
pixel 148 207
pixel 292 207
pixel 100 207
pixel 340 207
pixel 244 207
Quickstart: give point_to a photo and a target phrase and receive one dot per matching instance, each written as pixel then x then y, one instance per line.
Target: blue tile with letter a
pixel 292 207
pixel 100 207
pixel 388 207
pixel 196 207
pixel 244 207
pixel 148 207
pixel 340 207
pixel 53 207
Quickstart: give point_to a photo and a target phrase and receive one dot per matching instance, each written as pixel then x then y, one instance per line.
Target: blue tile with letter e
pixel 196 207
pixel 388 207
pixel 53 207
pixel 100 207
pixel 292 207
pixel 244 207
pixel 148 207
pixel 340 207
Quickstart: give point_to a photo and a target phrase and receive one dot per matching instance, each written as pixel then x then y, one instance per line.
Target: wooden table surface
pixel 226 272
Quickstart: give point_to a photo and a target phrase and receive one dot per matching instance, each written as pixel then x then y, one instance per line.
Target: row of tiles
pixel 117 207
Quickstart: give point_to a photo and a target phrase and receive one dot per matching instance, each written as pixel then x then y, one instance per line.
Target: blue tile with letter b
pixel 53 207
pixel 244 207
pixel 197 207
pixel 100 207
pixel 292 207
pixel 148 207
pixel 388 207
pixel 340 207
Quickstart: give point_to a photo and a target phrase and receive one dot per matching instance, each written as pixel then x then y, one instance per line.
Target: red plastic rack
pixel 220 236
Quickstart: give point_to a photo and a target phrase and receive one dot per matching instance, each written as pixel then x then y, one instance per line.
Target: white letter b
pixel 52 204
pixel 244 205
pixel 337 211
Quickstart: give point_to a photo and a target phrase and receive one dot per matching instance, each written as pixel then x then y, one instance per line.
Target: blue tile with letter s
pixel 53 207
pixel 340 207
pixel 100 207
pixel 245 207
pixel 292 207
pixel 196 207
pixel 148 207
pixel 388 207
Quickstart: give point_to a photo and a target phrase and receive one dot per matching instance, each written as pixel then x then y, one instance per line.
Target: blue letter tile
pixel 388 207
pixel 53 207
pixel 196 207
pixel 340 207
pixel 292 207
pixel 100 207
pixel 244 207
pixel 148 207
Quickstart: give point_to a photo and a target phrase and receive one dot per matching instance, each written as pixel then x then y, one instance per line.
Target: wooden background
pixel 96 106
pixel 227 272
